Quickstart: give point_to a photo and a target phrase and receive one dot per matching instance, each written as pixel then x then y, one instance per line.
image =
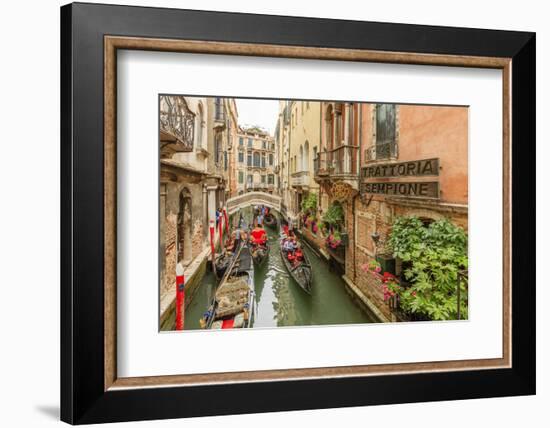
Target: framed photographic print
pixel 265 213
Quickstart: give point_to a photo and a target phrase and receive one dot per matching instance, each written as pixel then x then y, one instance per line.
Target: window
pixel 270 179
pixel 263 178
pixel 249 179
pixel 338 124
pixel 263 160
pixel 219 113
pixel 249 160
pixel 250 142
pixel 385 131
pixel 225 160
pixel 256 159
pixel 329 130
pixel 270 160
pixel 218 148
pixel 241 177
pixel 241 157
pixel 241 141
pixel 264 144
pixel 199 126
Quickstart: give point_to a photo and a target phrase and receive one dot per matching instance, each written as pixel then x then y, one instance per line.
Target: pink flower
pixel 378 269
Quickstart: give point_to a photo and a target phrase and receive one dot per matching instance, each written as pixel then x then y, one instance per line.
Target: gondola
pixel 301 273
pixel 270 220
pixel 234 299
pixel 222 263
pixel 260 253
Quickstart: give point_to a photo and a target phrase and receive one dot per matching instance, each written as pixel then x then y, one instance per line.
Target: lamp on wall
pixel 375 238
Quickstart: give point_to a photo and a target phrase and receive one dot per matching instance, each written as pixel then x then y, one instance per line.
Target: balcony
pixel 256 186
pixel 381 151
pixel 341 162
pixel 299 179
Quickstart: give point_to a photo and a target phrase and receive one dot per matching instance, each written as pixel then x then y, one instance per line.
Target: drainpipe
pixel 359 159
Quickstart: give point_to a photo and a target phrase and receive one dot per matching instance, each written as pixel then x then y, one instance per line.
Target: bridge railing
pixel 253 198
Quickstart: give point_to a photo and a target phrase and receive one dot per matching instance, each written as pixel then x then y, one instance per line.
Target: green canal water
pixel 279 299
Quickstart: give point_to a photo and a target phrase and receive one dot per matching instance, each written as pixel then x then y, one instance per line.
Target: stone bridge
pixel 253 198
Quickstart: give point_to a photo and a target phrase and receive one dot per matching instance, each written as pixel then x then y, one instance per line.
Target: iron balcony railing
pixel 341 161
pixel 381 150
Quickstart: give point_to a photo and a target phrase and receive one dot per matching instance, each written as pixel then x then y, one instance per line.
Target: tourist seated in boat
pixel 298 254
pixel 258 235
pixel 289 245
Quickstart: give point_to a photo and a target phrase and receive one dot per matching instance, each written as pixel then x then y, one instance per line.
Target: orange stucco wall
pixel 429 132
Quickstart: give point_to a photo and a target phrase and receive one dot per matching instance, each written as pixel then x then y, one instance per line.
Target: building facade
pixel 381 161
pixel 195 142
pixel 304 142
pixel 255 161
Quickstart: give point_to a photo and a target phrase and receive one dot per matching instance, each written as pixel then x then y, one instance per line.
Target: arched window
pixel 218 145
pixel 256 156
pixel 200 127
pixel 329 130
pixel 338 124
pixel 305 165
pixel 385 131
pixel 301 159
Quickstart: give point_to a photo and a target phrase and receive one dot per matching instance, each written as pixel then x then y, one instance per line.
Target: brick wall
pixel 378 217
pixel 197 238
pixel 169 279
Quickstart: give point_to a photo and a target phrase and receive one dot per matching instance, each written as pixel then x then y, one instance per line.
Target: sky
pixel 262 113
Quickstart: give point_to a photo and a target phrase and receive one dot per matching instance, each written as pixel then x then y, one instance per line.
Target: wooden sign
pixel 416 168
pixel 423 189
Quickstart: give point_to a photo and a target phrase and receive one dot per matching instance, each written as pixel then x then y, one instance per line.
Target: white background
pixel 144 352
pixel 29 225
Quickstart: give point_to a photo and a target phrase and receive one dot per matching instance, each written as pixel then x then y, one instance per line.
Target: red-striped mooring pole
pixel 226 222
pixel 212 247
pixel 180 297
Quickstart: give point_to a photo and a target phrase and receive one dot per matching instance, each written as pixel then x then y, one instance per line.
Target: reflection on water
pixel 280 300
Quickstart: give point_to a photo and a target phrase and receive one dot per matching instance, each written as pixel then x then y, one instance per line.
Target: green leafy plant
pixel 309 204
pixel 334 216
pixel 434 255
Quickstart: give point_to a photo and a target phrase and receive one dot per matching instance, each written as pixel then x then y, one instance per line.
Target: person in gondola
pixel 258 237
pixel 285 229
pixel 218 216
pixel 260 219
pixel 289 246
pixel 298 254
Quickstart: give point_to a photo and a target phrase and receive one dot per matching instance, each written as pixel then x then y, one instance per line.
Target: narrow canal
pixel 280 301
